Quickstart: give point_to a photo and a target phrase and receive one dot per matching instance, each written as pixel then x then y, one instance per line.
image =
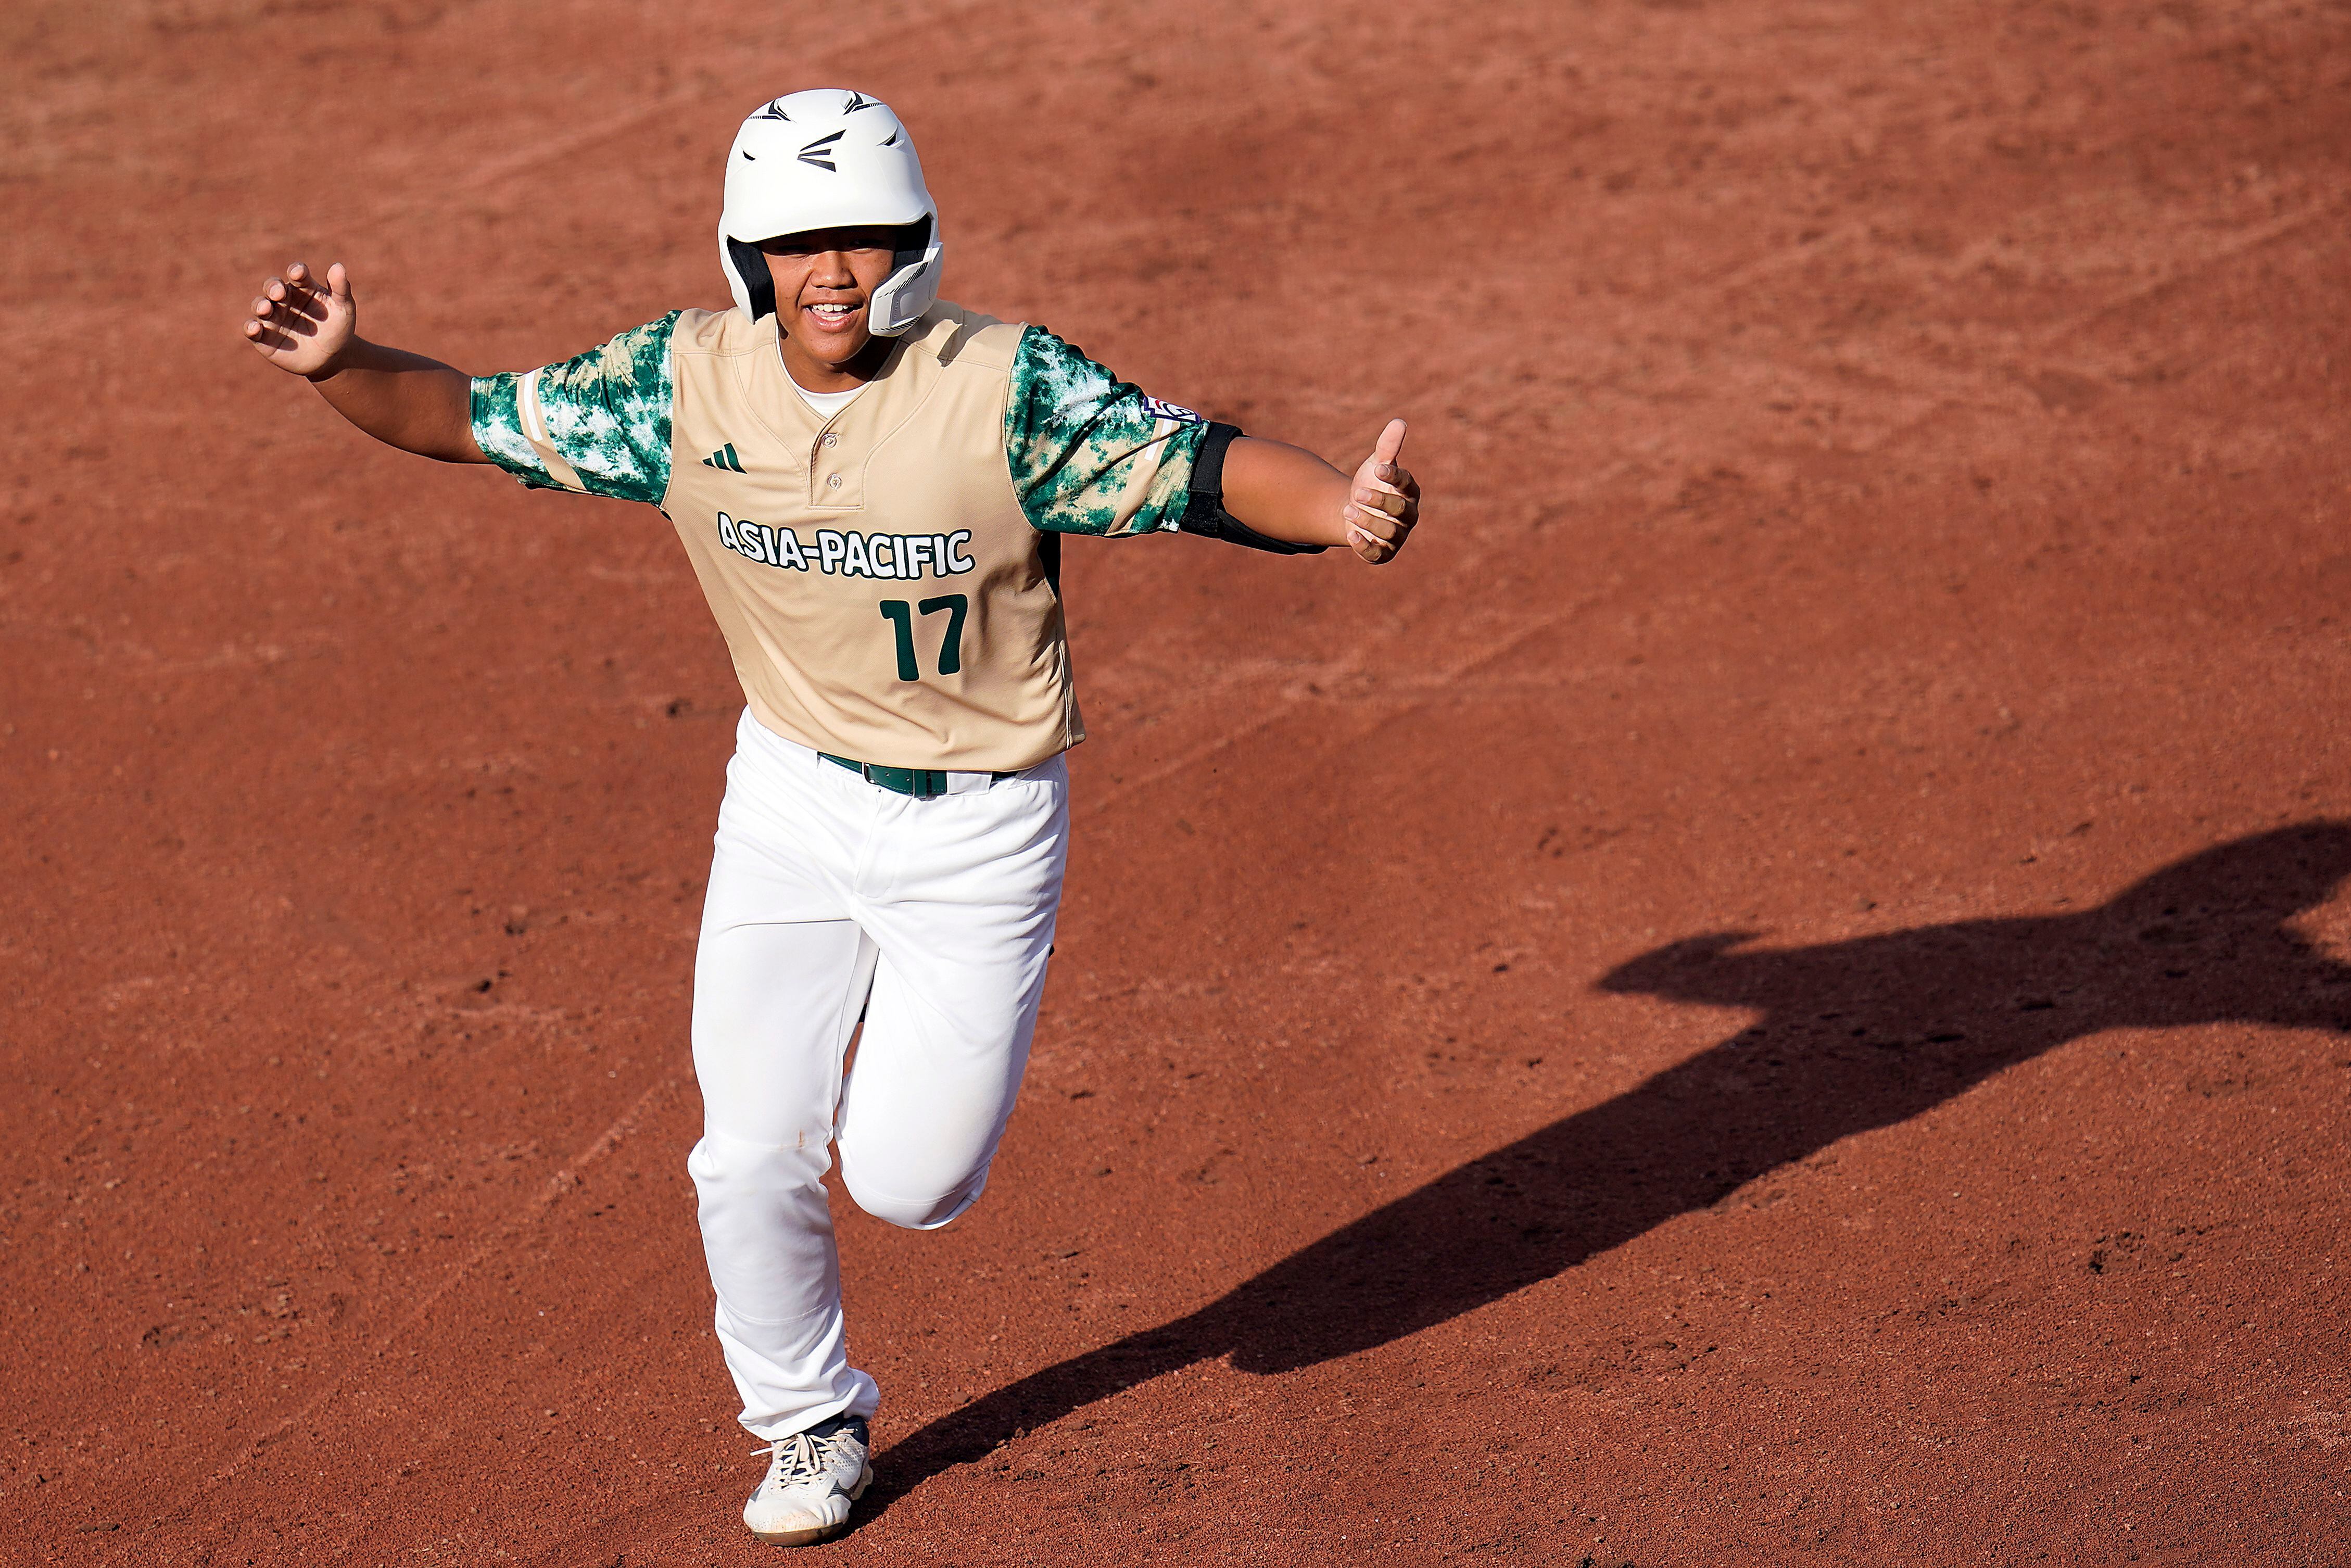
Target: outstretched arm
pixel 1287 493
pixel 310 329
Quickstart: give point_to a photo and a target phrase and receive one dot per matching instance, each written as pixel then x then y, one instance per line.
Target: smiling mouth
pixel 833 312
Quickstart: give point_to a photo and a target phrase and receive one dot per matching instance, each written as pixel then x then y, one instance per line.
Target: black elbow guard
pixel 1206 514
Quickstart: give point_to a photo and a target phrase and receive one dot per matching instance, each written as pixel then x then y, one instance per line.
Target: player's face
pixel 824 281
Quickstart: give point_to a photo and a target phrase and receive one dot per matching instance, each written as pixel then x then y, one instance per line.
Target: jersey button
pixel 832 481
pixel 833 438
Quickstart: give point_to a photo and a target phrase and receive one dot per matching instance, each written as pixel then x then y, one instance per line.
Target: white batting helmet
pixel 828 158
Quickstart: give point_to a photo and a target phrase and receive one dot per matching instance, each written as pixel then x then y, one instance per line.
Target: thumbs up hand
pixel 1383 501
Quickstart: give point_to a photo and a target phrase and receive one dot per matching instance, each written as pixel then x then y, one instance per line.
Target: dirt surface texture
pixel 1779 992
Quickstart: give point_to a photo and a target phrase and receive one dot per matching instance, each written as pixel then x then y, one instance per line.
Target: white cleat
pixel 812 1477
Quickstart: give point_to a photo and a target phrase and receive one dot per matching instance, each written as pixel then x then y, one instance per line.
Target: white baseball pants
pixel 829 895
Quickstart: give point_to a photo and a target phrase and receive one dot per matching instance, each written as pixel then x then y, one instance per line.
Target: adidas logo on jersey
pixel 724 458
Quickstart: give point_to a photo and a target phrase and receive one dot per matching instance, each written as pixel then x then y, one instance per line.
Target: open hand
pixel 1383 502
pixel 303 326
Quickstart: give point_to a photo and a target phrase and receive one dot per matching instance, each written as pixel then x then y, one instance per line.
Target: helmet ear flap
pixel 909 291
pixel 758 283
pixel 913 284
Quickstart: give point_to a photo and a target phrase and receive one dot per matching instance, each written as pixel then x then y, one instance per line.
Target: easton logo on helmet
pixel 820 152
pixel 857 100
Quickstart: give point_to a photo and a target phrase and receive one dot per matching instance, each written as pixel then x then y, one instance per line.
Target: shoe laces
pixel 802 1457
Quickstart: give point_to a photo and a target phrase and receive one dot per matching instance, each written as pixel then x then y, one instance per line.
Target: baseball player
pixel 873 486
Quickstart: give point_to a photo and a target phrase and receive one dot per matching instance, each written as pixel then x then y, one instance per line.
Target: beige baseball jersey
pixel 884 577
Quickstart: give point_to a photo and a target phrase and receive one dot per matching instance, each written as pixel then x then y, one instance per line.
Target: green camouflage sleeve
pixel 1089 452
pixel 598 424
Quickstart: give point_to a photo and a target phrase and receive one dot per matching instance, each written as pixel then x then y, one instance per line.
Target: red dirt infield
pixel 1777 992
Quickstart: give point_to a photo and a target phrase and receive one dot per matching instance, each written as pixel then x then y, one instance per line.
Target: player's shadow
pixel 1850 1036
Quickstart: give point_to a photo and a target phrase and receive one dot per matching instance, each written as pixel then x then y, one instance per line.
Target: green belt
pixel 921 783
